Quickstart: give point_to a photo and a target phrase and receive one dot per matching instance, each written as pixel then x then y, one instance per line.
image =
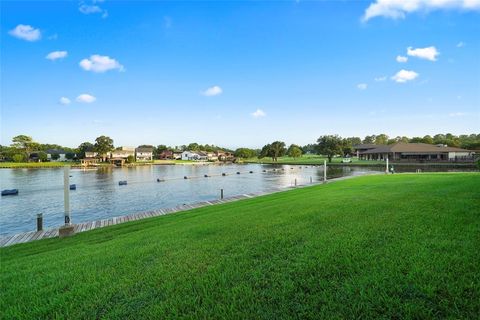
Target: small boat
pixel 10 192
pixel 73 187
pixel 122 183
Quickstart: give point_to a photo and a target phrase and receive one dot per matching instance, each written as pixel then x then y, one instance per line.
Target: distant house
pixel 144 154
pixel 359 148
pixel 167 155
pixel 190 155
pixel 91 154
pixel 212 156
pixel 122 153
pixel 54 153
pixel 177 155
pixel 402 151
pixel 225 156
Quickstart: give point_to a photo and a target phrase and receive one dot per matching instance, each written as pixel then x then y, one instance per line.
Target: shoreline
pixel 29 236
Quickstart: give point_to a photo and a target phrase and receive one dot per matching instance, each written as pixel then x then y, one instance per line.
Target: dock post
pixel 221 193
pixel 39 222
pixel 324 171
pixel 67 229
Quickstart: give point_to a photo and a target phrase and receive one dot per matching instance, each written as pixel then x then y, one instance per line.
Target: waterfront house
pixel 413 152
pixel 144 154
pixel 167 155
pixel 177 155
pixel 225 156
pixel 91 154
pixel 54 153
pixel 190 155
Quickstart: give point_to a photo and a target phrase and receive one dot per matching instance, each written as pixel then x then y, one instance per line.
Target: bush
pixel 130 159
pixel 18 157
pixel 42 156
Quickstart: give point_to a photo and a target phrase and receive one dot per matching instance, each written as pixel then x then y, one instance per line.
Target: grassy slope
pixel 36 164
pixel 396 246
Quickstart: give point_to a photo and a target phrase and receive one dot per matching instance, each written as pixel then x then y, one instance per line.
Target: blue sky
pixel 238 73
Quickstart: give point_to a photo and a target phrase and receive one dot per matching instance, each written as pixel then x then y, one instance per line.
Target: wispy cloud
pixel 167 22
pixel 362 86
pixel 379 79
pixel 26 32
pixel 64 100
pixel 398 9
pixel 99 64
pixel 402 59
pixel 461 44
pixel 403 76
pixel 86 98
pixel 92 9
pixel 259 113
pixel 212 91
pixel 428 53
pixel 56 55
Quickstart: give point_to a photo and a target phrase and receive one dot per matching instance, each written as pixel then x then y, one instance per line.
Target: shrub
pixel 18 157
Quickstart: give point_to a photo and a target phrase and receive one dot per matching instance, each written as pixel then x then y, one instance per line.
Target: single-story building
pixel 194 155
pixel 144 154
pixel 177 155
pixel 402 151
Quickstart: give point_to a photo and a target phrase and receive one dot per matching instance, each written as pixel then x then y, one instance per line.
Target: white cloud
pixel 212 91
pixel 397 9
pixel 99 64
pixel 362 86
pixel 382 78
pixel 64 101
pixel 56 55
pixel 403 76
pixel 26 32
pixel 402 59
pixel 428 53
pixel 259 113
pixel 461 44
pixel 86 98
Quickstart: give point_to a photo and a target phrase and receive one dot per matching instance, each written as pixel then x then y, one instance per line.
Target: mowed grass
pixel 52 164
pixel 397 246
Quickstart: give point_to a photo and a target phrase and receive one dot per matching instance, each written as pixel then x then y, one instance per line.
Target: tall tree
pixel 25 143
pixel 278 149
pixel 369 139
pixel 381 139
pixel 330 145
pixel 103 145
pixel 85 147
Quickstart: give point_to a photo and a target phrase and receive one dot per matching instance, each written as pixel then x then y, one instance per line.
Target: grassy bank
pixel 396 246
pixel 318 160
pixel 7 165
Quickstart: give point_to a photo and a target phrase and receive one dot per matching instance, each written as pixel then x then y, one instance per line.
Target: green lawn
pixel 389 246
pixel 36 164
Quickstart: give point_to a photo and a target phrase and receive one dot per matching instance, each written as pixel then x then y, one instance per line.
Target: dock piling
pixel 39 222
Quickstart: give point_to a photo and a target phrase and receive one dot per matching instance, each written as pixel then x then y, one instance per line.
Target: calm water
pixel 98 195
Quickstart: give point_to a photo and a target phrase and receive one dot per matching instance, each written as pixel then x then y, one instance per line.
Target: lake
pixel 99 196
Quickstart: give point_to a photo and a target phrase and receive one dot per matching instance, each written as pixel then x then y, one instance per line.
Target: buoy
pixel 206 175
pixel 251 171
pixel 238 172
pixel 185 177
pixel 122 183
pixel 264 170
pixel 73 187
pixel 160 180
pixel 10 192
pixel 224 174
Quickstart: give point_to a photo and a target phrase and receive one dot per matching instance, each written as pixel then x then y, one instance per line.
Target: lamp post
pixel 324 171
pixel 386 167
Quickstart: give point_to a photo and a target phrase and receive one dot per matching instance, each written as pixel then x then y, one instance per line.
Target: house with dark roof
pixel 402 151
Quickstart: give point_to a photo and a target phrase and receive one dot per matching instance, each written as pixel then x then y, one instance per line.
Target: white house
pixel 144 154
pixel 194 155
